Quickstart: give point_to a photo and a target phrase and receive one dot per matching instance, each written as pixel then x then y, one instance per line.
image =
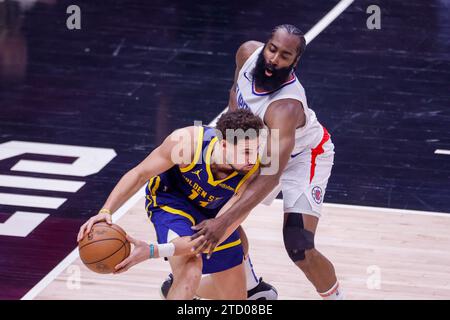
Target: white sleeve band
pixel 166 250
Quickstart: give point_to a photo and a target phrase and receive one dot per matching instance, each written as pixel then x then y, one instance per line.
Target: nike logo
pixel 245 75
pixel 294 155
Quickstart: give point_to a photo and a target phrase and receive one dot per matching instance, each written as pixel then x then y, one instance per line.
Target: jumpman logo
pixel 197 173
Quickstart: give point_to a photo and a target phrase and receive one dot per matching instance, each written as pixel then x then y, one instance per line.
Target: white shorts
pixel 305 178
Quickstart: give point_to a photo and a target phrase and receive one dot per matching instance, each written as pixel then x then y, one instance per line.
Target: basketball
pixel 104 247
pixel 292 150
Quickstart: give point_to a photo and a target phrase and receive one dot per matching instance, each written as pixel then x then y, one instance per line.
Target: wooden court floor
pixel 377 253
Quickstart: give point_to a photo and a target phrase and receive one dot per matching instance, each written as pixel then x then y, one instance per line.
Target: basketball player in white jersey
pixel 266 84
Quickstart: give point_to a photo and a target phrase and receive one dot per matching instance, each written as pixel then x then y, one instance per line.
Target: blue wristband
pixel 152 251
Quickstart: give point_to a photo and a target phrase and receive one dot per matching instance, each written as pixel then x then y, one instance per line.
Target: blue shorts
pixel 171 212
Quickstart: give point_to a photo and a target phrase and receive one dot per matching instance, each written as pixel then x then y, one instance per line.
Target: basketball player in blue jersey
pixel 189 180
pixel 266 84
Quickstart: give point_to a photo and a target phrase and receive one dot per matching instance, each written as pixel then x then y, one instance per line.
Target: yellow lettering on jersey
pixel 189 181
pixel 203 203
pixel 225 186
pixel 193 195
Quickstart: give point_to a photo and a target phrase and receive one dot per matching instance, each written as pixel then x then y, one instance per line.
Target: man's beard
pixel 279 76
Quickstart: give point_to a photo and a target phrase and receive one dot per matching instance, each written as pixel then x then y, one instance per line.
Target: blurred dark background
pixel 139 69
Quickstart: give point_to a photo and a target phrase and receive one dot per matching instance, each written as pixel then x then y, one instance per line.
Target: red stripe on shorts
pixel 316 151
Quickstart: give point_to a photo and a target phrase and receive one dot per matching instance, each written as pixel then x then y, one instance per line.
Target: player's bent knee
pixel 193 279
pixel 311 254
pixel 297 240
pixel 194 266
pixel 190 270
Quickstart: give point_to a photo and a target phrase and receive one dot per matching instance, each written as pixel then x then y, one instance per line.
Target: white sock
pixel 335 293
pixel 252 279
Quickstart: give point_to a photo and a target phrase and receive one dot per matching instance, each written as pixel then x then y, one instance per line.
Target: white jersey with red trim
pixel 306 137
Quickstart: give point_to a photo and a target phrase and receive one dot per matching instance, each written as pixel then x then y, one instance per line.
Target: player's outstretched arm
pixel 177 148
pixel 283 116
pixel 198 242
pixel 158 161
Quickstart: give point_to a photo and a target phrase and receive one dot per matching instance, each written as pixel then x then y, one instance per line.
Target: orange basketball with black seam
pixel 104 247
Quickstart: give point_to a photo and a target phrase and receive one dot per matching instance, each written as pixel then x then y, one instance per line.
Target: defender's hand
pixel 86 228
pixel 212 231
pixel 141 252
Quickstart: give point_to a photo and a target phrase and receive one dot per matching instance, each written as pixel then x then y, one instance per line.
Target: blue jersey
pixel 196 181
pixel 180 198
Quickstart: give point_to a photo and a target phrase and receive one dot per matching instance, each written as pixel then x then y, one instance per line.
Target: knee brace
pixel 296 238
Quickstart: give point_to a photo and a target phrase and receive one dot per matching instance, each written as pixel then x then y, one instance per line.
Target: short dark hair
pixel 241 119
pixel 291 29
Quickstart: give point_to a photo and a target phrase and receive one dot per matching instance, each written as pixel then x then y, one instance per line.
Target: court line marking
pixel 22 182
pixel 327 19
pixel 22 223
pixel 41 285
pixel 442 151
pixel 14 199
pixel 379 209
pixel 69 259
